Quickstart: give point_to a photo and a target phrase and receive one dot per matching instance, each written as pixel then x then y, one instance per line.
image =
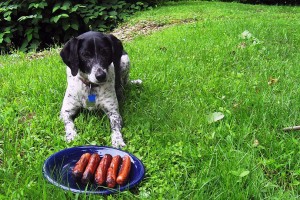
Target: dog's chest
pixel 88 97
pixel 97 97
pixel 101 97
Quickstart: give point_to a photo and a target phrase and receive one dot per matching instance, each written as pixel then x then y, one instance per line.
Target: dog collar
pixel 88 83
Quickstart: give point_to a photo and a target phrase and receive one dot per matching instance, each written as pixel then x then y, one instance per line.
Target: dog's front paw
pixel 118 144
pixel 117 141
pixel 137 82
pixel 70 135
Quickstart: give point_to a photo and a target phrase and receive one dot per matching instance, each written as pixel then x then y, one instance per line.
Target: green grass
pixel 189 71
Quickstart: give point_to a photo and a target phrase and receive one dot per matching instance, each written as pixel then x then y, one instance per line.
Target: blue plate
pixel 58 168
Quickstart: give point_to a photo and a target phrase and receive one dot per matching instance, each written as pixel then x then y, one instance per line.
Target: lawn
pixel 241 61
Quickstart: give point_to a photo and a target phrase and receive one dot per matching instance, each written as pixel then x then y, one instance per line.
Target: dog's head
pixel 91 54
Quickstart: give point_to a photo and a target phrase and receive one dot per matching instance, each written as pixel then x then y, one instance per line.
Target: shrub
pixel 37 24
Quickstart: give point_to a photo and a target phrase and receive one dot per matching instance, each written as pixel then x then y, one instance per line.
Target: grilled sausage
pixel 80 165
pixel 90 168
pixel 112 171
pixel 124 171
pixel 100 175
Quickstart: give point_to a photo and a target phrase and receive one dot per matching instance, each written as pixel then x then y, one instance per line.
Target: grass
pixel 189 71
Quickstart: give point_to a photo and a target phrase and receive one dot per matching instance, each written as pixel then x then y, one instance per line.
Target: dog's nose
pixel 100 75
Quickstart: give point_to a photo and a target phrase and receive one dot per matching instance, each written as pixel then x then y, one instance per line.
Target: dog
pixel 97 72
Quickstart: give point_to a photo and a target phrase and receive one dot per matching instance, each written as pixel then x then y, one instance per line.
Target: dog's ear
pixel 69 55
pixel 117 49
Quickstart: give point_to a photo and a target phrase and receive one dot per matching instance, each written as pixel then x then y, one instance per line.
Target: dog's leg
pixel 125 67
pixel 111 109
pixel 116 126
pixel 68 119
pixel 68 113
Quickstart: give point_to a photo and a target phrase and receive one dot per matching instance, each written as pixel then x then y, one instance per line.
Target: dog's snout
pixel 100 75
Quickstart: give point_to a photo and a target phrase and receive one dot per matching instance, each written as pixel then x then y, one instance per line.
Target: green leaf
pixel 66 6
pixel 64 16
pixel 29 37
pixel 56 7
pixel 55 19
pixel 86 20
pixel 33 5
pixel 244 173
pixel 75 26
pixel 213 117
pixel 100 8
pixel 27 17
pixel 8 18
pixel 38 5
pixel 24 45
pixel 43 4
pixel 7 30
pixel 74 8
pixel 7 13
pixel 29 31
pixel 113 13
pixel 66 26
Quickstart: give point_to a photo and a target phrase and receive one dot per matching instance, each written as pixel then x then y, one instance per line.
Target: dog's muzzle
pixel 100 75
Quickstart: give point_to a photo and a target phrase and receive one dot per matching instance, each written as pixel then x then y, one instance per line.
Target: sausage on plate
pixel 90 168
pixel 112 171
pixel 80 165
pixel 100 175
pixel 124 170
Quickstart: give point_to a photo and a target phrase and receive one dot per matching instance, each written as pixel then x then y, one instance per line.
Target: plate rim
pixel 103 192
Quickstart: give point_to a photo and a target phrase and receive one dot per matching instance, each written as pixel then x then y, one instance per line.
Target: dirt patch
pixel 42 54
pixel 129 32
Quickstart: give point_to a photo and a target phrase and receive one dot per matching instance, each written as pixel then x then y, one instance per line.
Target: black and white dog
pixel 97 72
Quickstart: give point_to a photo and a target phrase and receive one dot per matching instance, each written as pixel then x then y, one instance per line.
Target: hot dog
pixel 90 168
pixel 100 175
pixel 113 171
pixel 80 165
pixel 124 171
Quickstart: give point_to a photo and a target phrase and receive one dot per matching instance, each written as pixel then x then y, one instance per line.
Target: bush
pixel 35 24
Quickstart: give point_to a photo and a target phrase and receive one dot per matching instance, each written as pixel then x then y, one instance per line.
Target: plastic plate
pixel 58 167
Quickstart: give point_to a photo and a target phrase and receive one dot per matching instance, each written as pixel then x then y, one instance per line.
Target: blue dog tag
pixel 91 100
